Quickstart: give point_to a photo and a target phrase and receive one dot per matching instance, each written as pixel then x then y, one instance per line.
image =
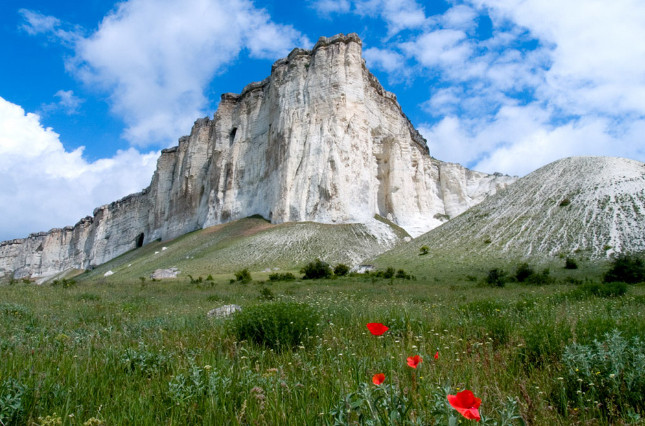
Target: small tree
pixel 401 274
pixel 523 272
pixel 570 263
pixel 243 276
pixel 496 278
pixel 424 250
pixel 389 272
pixel 341 270
pixel 316 269
pixel 626 268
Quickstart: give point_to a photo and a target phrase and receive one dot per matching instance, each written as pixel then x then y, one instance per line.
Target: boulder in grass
pixel 223 311
pixel 161 274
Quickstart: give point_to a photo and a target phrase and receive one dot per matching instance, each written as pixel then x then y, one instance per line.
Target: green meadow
pixel 111 351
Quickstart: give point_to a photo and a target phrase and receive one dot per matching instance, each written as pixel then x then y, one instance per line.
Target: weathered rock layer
pixel 319 140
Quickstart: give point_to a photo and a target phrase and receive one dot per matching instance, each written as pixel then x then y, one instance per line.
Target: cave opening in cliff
pixel 139 240
pixel 232 135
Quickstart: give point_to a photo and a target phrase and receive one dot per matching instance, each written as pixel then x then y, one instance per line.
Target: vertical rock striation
pixel 319 140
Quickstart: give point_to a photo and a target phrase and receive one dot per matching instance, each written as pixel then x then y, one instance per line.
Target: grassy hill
pixel 256 244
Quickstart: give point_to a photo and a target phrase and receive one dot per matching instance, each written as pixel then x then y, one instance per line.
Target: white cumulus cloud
pixel 385 59
pixel 44 186
pixel 399 15
pixel 155 57
pixel 327 7
pixel 37 23
pixel 554 79
pixel 67 102
pixel 598 59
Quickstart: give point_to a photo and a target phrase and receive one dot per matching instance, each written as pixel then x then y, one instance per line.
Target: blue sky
pixel 91 91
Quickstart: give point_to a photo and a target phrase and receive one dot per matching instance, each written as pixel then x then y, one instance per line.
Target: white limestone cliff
pixel 319 140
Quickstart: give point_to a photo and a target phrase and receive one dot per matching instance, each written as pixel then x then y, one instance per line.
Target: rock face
pixel 318 140
pixel 581 206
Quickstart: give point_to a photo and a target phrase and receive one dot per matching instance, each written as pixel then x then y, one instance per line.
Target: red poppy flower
pixel 376 328
pixel 414 361
pixel 436 355
pixel 379 378
pixel 466 404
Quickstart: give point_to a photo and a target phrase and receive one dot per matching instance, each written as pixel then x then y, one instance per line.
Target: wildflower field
pixel 349 350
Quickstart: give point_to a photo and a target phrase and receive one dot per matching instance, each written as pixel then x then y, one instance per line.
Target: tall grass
pixel 135 353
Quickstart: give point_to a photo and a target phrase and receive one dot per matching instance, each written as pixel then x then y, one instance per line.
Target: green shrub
pixel 316 270
pixel 496 278
pixel 403 275
pixel 197 280
pixel 12 406
pixel 424 250
pixel 614 289
pixel 276 325
pixel 266 294
pixel 243 276
pixel 341 270
pixel 523 272
pixel 570 263
pixel 611 370
pixel 143 361
pixel 65 283
pixel 389 272
pixel 542 278
pixel 287 276
pixel 626 268
pixel 526 274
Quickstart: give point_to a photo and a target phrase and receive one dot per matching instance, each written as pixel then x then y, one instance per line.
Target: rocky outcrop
pixel 162 274
pixel 318 140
